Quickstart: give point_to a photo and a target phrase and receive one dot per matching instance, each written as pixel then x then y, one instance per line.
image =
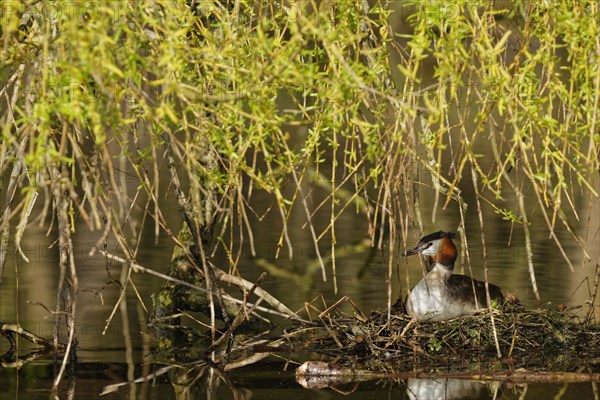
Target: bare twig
pixel 485 267
pixel 280 309
pixel 310 225
pixel 592 301
pixel 239 318
pixel 30 200
pixel 68 282
pixel 321 368
pixel 30 336
pixel 16 176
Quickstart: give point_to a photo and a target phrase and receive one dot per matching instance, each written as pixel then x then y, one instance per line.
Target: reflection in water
pixel 446 389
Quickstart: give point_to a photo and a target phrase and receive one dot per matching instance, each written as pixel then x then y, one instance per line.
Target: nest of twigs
pixel 520 337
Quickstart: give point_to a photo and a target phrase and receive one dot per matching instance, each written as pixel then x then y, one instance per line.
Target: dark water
pixel 269 380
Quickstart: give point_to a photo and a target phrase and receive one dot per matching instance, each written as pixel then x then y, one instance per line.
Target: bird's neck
pixel 441 271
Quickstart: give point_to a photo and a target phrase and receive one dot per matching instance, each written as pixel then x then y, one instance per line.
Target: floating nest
pixel 520 337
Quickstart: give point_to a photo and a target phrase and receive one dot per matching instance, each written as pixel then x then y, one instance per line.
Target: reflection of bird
pixel 440 294
pixel 447 389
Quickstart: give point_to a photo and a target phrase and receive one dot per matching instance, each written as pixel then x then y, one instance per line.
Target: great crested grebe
pixel 441 295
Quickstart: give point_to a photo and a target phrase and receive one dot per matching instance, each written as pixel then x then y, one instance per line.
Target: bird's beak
pixel 411 252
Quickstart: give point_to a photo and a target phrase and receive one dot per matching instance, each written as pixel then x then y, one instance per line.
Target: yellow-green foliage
pixel 261 89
